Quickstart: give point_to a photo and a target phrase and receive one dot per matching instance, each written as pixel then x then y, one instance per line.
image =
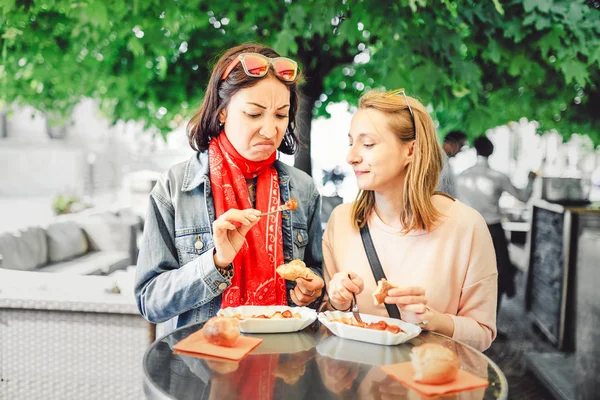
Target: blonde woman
pixel 435 249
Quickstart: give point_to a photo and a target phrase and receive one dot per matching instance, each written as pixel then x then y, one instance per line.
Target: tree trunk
pixel 311 91
pixel 3 125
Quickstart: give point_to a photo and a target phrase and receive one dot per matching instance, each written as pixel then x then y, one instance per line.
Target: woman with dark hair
pixel 206 245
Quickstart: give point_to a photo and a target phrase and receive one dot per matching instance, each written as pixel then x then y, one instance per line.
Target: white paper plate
pixel 368 335
pixel 257 325
pixel 361 352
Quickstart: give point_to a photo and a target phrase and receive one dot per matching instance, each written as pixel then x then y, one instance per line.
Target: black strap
pixel 164 232
pixel 376 266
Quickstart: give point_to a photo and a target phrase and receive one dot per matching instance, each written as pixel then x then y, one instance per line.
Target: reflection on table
pixel 312 364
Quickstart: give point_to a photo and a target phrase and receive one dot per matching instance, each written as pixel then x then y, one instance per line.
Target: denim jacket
pixel 176 278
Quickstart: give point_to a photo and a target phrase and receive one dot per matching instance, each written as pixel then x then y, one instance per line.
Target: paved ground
pixel 509 353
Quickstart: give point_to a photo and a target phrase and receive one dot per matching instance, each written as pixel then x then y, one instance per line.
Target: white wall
pixel 33 164
pixel 329 147
pixel 29 170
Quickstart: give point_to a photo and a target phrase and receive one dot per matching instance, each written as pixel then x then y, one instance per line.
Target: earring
pixel 220 124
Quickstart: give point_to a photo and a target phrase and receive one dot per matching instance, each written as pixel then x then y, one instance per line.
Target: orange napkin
pixel 206 357
pixel 404 373
pixel 196 345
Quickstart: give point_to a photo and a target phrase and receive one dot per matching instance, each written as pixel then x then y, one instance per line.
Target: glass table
pixel 311 364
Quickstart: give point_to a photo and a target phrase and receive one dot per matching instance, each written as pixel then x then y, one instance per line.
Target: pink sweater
pixel 455 263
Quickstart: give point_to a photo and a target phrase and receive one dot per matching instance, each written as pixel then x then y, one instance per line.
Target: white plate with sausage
pixel 271 319
pixel 379 330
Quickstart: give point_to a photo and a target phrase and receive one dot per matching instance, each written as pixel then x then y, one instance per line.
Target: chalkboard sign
pixel 547 271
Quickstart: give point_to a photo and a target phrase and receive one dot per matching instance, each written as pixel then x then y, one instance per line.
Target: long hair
pixel 204 125
pixel 423 170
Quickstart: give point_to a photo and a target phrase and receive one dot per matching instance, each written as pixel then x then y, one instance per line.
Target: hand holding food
pixel 434 364
pixel 412 303
pixel 230 231
pixel 410 298
pixel 307 289
pixel 293 270
pixel 341 288
pixel 383 286
pixel 290 205
pixel 308 285
pixel 222 331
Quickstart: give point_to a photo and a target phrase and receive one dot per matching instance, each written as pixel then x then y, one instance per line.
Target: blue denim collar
pixel 196 172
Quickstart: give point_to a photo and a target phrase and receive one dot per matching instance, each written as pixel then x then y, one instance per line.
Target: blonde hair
pixel 422 172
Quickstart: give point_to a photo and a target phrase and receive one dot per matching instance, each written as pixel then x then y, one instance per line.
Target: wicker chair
pixel 81 343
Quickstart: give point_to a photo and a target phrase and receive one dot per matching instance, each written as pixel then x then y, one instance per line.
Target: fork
pixel 355 306
pixel 282 207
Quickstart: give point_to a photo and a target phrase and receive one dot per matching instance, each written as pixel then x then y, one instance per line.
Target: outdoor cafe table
pixel 311 364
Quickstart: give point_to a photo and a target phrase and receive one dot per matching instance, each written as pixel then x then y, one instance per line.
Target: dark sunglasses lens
pixel 286 69
pixel 256 66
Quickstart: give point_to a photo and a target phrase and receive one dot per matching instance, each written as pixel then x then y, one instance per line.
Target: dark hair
pixel 204 125
pixel 455 137
pixel 484 146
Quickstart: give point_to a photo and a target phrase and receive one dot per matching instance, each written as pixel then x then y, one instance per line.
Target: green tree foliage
pixel 478 64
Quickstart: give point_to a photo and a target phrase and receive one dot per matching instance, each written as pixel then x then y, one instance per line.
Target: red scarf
pixel 255 281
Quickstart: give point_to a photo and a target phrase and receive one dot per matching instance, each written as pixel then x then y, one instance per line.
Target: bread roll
pixel 434 364
pixel 383 286
pixel 293 270
pixel 222 331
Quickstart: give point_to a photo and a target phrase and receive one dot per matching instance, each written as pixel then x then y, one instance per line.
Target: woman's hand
pixel 412 303
pixel 341 288
pixel 307 290
pixel 229 233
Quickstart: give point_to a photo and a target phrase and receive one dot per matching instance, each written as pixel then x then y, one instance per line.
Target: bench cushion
pixel 66 240
pixel 25 250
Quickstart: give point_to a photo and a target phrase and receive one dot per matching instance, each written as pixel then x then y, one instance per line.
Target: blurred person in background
pixel 454 142
pixel 434 248
pixel 205 244
pixel 481 187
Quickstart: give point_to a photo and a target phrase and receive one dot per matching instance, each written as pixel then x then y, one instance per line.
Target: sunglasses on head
pixel 402 92
pixel 256 65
